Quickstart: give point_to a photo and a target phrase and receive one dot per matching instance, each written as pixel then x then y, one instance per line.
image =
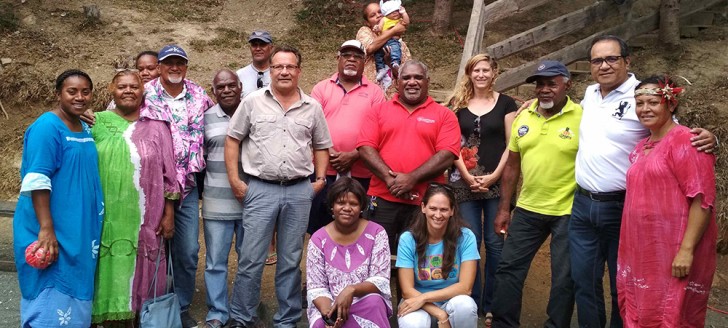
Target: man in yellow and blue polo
pixel 543 145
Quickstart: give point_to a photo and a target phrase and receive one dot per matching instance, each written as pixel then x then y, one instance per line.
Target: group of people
pixel 368 173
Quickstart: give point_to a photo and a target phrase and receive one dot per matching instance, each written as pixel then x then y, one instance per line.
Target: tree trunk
pixel 670 22
pixel 441 16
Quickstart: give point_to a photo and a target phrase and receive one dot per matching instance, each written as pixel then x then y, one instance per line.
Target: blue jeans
pixel 594 239
pixel 218 237
pixel 185 246
pixel 526 234
pixel 265 205
pixel 395 53
pixel 479 215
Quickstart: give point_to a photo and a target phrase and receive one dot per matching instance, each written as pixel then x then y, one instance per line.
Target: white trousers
pixel 462 310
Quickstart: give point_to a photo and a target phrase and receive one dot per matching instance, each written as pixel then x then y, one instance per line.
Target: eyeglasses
pixel 282 67
pixel 610 60
pixel 260 80
pixel 355 55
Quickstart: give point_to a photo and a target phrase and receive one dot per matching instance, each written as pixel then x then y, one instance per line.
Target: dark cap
pixel 261 35
pixel 549 68
pixel 172 50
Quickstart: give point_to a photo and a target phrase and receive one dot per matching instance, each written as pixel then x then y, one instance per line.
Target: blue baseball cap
pixel 172 50
pixel 549 68
pixel 261 35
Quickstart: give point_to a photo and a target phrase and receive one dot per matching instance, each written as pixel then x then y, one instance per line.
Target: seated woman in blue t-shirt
pixel 445 255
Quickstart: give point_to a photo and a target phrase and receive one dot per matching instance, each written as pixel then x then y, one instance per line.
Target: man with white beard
pixel 181 103
pixel 543 145
pixel 346 97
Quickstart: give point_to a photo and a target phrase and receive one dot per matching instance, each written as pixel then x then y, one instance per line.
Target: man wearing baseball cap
pixel 346 97
pixel 182 103
pixel 543 145
pixel 257 75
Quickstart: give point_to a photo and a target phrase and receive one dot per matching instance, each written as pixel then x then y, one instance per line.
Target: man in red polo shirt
pixel 346 98
pixel 407 143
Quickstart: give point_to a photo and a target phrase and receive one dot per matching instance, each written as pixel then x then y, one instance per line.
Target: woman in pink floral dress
pixel 348 265
pixel 666 258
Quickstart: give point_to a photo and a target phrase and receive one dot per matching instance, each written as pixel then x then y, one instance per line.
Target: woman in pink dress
pixel 348 265
pixel 667 243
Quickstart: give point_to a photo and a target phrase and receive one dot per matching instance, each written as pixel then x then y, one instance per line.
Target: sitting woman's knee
pixel 463 303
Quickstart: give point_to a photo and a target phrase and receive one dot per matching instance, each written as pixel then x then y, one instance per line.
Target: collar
pixel 567 107
pixel 217 109
pixel 626 86
pixel 304 98
pixel 427 102
pixel 335 79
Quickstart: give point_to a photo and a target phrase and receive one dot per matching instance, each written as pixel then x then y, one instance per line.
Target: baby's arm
pixel 405 16
pixel 380 26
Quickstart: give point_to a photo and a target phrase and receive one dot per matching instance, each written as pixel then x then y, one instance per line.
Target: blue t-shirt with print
pixel 429 277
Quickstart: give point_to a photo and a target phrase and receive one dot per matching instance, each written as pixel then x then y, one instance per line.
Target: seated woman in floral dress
pixel 348 265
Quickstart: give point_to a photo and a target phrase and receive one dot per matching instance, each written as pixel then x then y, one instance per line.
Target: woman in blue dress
pixel 60 206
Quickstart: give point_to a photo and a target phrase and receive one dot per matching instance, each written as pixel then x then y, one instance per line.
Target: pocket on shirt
pixel 265 126
pixel 301 129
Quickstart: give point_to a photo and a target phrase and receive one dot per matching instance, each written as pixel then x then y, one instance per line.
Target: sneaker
pixel 381 73
pixel 214 323
pixel 386 82
pixel 395 70
pixel 187 321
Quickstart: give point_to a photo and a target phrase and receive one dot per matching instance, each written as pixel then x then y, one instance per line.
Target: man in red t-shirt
pixel 407 143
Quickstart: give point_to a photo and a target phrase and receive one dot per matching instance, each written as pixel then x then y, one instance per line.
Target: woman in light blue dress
pixel 60 206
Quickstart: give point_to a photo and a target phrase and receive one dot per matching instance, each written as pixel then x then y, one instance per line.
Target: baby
pixel 393 13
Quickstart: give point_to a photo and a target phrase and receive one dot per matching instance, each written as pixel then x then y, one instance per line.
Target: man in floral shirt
pixel 182 103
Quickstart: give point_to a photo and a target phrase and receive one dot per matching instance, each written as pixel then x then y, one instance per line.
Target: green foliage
pixel 8 20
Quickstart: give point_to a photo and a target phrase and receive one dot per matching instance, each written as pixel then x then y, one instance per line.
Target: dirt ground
pixel 51 36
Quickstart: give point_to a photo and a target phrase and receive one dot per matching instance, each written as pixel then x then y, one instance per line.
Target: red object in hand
pixel 40 259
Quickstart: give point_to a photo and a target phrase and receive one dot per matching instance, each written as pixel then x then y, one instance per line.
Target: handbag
pixel 162 311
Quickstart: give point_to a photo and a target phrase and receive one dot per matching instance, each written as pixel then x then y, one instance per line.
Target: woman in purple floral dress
pixel 348 265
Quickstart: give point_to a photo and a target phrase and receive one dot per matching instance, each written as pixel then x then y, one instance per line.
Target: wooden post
pixel 474 38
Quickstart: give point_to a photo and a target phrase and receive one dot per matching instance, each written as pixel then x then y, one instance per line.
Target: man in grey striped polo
pixel 222 214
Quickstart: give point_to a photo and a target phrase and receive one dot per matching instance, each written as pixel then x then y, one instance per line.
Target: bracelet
pixel 321 179
pixel 443 321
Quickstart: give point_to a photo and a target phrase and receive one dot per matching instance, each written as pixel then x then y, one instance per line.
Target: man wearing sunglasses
pixel 257 75
pixel 346 97
pixel 609 131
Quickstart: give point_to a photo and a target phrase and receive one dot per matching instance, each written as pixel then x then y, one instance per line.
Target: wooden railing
pixel 556 28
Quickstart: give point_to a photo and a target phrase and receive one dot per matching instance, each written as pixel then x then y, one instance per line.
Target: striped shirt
pixel 218 201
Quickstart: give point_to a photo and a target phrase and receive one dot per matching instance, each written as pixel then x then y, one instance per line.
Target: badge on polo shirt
pixel 565 133
pixel 621 110
pixel 522 130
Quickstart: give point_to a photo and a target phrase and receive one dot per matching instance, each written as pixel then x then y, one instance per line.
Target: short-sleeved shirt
pixel 278 144
pixel 218 200
pixel 430 276
pixel 345 113
pixel 609 131
pixel 548 152
pixel 185 122
pixel 406 140
pixel 483 140
pixel 248 76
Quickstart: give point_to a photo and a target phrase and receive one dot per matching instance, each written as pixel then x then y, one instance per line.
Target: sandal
pixel 272 258
pixel 488 319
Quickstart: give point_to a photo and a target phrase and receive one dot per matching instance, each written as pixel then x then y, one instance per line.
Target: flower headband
pixel 666 90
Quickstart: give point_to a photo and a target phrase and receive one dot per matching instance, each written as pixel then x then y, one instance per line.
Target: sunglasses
pixel 260 80
pixel 440 185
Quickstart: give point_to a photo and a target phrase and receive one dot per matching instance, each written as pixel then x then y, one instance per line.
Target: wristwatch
pixel 321 179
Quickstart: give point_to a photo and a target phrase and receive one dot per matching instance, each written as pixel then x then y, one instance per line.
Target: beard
pixel 349 72
pixel 546 105
pixel 175 80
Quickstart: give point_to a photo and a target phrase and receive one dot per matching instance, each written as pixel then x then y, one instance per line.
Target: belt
pixel 281 182
pixel 602 196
